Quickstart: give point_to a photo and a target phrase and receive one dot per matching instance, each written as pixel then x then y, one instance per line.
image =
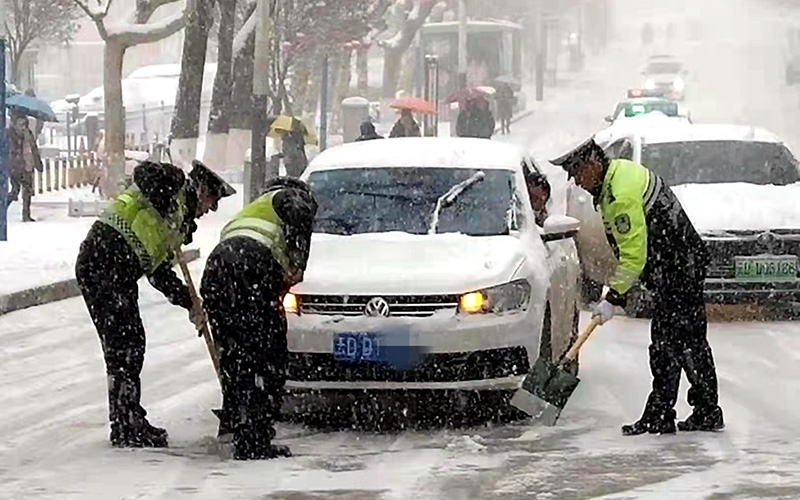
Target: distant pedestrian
pixel 293 147
pixel 505 106
pixel 475 119
pixel 368 132
pixel 405 126
pixel 99 165
pixel 23 158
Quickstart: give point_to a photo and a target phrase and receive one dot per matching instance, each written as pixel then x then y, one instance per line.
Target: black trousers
pixel 22 181
pixel 679 342
pixel 109 288
pixel 241 291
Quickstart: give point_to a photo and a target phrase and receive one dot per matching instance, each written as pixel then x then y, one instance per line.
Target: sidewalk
pixel 39 257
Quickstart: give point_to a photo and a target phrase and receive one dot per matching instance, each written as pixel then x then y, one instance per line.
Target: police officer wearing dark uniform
pixel 657 246
pixel 262 253
pixel 138 236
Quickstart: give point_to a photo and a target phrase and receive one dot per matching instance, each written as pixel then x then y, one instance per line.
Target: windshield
pixel 642 108
pixel 710 162
pixel 663 68
pixel 375 200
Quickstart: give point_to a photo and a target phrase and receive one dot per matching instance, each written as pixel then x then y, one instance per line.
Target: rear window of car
pixel 664 67
pixel 707 162
pixel 642 108
pixel 375 200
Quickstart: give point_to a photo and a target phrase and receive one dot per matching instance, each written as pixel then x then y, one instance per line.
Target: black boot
pixel 710 420
pixel 652 423
pixel 140 436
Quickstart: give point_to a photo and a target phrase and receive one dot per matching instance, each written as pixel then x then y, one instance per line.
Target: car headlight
pixel 679 84
pixel 650 84
pixel 513 296
pixel 290 303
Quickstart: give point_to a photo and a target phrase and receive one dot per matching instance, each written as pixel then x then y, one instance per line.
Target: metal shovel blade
pixel 545 392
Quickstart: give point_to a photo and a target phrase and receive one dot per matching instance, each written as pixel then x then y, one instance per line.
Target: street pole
pixel 258 147
pixel 462 43
pixel 3 140
pixel 323 106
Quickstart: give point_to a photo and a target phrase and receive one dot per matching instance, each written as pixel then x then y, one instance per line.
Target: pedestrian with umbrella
pixel 295 136
pixel 23 158
pixel 406 126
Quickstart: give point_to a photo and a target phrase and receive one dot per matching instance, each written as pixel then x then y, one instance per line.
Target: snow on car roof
pixel 705 132
pixel 420 152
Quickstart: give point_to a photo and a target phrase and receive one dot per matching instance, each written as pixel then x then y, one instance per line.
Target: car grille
pixel 448 367
pixel 724 248
pixel 356 305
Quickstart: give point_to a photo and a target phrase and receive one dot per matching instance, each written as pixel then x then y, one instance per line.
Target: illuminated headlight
pixel 290 303
pixel 650 84
pixel 513 296
pixel 678 84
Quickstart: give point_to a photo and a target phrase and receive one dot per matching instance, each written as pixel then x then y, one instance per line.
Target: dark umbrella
pixel 31 106
pixel 467 94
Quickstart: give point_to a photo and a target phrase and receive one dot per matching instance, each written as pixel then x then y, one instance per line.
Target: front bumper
pixel 461 353
pixel 731 291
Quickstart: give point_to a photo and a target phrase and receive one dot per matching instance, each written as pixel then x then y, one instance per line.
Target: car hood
pixel 405 264
pixel 740 206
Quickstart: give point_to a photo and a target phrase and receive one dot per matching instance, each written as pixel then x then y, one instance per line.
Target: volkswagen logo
pixel 377 307
pixel 768 241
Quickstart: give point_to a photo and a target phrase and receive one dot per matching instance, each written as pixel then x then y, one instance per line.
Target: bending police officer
pixel 137 236
pixel 262 252
pixel 657 245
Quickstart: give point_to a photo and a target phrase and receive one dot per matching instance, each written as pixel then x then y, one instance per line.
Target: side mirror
pixel 609 119
pixel 560 227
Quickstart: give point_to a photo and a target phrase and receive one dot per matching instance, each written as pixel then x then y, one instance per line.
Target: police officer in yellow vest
pixel 658 247
pixel 262 253
pixel 138 235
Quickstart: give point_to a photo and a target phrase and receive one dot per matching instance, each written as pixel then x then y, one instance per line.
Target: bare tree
pixel 186 119
pixel 118 37
pixel 28 21
pixel 416 12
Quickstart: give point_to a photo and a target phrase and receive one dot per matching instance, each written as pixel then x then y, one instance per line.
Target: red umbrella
pixel 415 104
pixel 467 94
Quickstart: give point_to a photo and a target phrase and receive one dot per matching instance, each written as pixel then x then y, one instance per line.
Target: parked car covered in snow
pixel 739 186
pixel 428 272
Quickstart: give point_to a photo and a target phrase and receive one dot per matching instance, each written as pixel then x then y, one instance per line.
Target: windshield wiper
pixel 450 197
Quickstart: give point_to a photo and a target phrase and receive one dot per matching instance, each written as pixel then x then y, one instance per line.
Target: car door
pixel 562 259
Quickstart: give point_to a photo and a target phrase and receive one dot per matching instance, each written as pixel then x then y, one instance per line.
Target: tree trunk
pixel 114 115
pixel 314 89
pixel 186 120
pixel 14 63
pixel 344 75
pixel 241 103
pixel 392 62
pixel 362 68
pixel 300 84
pixel 219 116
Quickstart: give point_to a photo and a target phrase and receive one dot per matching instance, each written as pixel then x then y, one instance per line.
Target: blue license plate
pixel 357 347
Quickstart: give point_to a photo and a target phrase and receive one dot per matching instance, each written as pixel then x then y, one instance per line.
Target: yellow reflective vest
pixel 153 238
pixel 628 193
pixel 259 221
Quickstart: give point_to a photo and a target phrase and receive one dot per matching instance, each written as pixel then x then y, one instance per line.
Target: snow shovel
pixel 203 329
pixel 546 389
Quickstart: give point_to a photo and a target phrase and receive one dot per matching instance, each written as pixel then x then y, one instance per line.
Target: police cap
pixel 207 177
pixel 573 160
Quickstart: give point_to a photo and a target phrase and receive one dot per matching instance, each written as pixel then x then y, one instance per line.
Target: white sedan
pixel 428 272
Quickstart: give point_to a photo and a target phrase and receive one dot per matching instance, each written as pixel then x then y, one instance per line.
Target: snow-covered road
pixel 53 431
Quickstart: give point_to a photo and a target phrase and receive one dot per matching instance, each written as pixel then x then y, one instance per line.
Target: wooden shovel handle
pixel 573 351
pixel 203 329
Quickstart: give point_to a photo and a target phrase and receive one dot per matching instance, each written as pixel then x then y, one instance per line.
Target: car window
pixel 373 200
pixel 669 108
pixel 621 149
pixel 721 161
pixel 663 67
